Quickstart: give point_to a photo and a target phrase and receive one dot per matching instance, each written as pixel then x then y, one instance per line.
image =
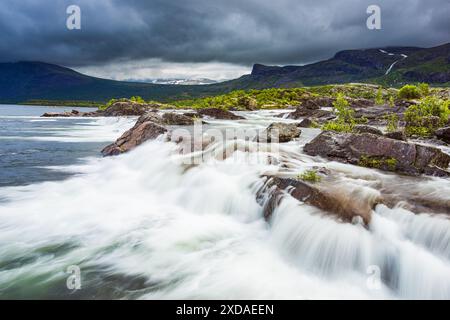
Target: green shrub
pixel 425 117
pixel 137 99
pixel 409 91
pixel 345 116
pixel 424 89
pixel 392 122
pixel 379 97
pixel 309 176
pixel 391 101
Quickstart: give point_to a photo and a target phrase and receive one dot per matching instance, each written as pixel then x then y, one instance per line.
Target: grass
pixel 309 176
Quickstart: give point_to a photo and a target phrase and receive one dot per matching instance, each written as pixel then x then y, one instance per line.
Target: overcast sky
pixel 139 39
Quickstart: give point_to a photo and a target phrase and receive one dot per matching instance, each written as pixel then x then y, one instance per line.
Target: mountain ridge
pixel 394 66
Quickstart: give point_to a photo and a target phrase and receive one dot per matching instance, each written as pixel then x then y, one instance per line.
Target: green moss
pixel 378 163
pixel 310 176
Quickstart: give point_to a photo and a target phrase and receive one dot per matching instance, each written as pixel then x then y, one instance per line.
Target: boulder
pixel 337 202
pixel 284 131
pixel 305 123
pixel 171 118
pixel 217 113
pixel 396 135
pixel 380 152
pixel 141 132
pixel 443 134
pixel 317 103
pixel 129 108
pixel 367 129
pixel 302 112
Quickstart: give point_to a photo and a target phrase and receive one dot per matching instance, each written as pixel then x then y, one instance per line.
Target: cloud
pixel 201 31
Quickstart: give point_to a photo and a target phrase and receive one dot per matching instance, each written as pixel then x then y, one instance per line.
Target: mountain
pixel 24 81
pixel 390 66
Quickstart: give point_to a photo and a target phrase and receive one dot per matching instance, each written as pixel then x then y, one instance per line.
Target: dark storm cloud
pixel 234 31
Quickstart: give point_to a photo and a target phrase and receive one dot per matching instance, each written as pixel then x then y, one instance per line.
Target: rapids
pixel 144 225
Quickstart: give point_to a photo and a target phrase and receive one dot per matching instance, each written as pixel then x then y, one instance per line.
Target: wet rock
pixel 73 113
pixel 284 131
pixel 171 118
pixel 396 135
pixel 367 129
pixel 305 123
pixel 443 134
pixel 141 132
pixel 338 202
pixel 380 152
pixel 217 113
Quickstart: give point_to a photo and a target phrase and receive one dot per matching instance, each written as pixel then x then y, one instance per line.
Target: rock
pixel 284 131
pixel 443 134
pixel 73 113
pixel 380 152
pixel 141 132
pixel 360 103
pixel 367 129
pixel 171 118
pixel 336 202
pixel 396 135
pixel 217 113
pixel 305 123
pixel 127 107
pixel 317 103
pixel 302 112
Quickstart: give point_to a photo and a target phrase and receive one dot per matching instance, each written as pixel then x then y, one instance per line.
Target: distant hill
pixel 25 81
pixel 390 66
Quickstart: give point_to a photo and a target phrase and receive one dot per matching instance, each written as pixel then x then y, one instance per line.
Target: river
pixel 144 225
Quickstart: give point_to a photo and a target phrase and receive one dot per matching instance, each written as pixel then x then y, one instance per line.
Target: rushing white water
pixel 404 56
pixel 143 225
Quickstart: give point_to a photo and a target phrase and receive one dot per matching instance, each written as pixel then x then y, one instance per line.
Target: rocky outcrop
pixel 367 129
pixel 127 108
pixel 172 118
pixel 380 152
pixel 443 134
pixel 217 113
pixel 73 113
pixel 305 123
pixel 311 108
pixel 396 135
pixel 279 132
pixel 143 130
pixel 337 203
